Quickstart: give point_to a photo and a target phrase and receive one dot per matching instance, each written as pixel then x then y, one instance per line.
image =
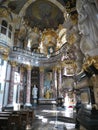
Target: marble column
pixel 28 88
pixel 55 81
pixel 21 85
pixel 41 95
pixel 11 86
pixel 59 82
pixel 7 84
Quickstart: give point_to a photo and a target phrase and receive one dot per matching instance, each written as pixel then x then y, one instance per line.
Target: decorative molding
pixel 13 63
pixel 41 69
pixel 5 57
pixel 29 67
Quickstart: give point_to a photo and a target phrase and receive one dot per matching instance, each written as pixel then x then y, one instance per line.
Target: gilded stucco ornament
pixel 71 39
pixel 5 57
pixel 70 67
pixel 87 15
pixel 4 50
pixel 90 61
pixel 5 13
pixel 13 63
pixel 48 41
pixel 28 67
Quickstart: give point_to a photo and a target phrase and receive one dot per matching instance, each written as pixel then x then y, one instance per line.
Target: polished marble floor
pixel 49 117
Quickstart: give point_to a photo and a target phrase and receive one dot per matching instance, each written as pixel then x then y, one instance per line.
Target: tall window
pixel 4 27
pixel 10 31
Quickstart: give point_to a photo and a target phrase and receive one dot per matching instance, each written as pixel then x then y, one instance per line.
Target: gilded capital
pixel 63 64
pixel 71 39
pixel 13 63
pixel 29 67
pixel 22 69
pixel 91 61
pixel 54 68
pixel 5 57
pixel 41 69
pixel 59 69
pixel 3 12
pixel 95 62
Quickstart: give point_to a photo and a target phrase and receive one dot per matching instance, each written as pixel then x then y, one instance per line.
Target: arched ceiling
pixel 49 18
pixel 42 13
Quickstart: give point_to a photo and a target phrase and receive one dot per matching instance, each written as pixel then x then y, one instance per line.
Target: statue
pixel 34 92
pixel 88 24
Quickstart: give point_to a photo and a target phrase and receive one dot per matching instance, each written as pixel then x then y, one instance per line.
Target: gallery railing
pixel 37 59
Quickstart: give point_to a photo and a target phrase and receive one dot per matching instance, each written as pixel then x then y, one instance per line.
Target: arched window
pixel 9 31
pixel 4 27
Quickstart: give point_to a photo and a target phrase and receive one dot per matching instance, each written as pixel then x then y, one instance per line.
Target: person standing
pixel 78 106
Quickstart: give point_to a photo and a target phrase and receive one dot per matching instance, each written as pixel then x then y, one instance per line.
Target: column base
pixel 8 107
pixel 27 105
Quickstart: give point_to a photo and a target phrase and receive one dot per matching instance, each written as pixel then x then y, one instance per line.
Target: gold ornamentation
pixel 95 106
pixel 54 68
pixel 22 69
pixel 29 67
pixel 49 36
pixel 71 39
pixel 4 50
pixel 3 12
pixel 74 18
pixel 91 61
pixel 62 64
pixel 5 57
pixel 41 69
pixel 13 63
pixel 59 70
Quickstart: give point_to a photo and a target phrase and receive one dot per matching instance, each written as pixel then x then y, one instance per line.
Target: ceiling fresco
pixel 45 26
pixel 44 14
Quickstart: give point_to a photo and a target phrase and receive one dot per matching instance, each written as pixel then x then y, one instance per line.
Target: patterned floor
pixel 48 117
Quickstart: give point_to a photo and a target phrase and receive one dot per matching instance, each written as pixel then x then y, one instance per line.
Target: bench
pixel 4 117
pixel 15 119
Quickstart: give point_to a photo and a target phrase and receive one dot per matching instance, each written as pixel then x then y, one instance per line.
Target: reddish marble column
pixel 41 95
pixel 28 89
pixel 11 86
pixel 55 82
pixel 59 82
pixel 21 85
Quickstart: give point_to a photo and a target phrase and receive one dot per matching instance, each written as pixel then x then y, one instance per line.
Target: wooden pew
pixel 4 116
pixel 16 119
pixel 27 116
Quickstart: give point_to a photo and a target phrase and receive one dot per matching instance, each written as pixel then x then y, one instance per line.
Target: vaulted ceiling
pixel 46 23
pixel 43 13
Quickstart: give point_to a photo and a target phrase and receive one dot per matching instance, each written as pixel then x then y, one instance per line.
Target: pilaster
pixel 41 82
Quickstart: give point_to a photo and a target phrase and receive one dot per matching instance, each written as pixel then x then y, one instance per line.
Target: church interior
pixel 48 64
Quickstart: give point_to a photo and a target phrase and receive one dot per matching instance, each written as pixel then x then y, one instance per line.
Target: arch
pixel 61 7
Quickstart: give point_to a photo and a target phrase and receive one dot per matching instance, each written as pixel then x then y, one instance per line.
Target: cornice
pixel 23 56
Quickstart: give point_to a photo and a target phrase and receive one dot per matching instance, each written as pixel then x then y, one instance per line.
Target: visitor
pixel 78 106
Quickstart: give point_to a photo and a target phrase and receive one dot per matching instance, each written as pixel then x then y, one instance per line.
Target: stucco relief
pixel 88 24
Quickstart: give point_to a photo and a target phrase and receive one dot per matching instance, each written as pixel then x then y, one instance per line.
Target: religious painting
pixel 48 84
